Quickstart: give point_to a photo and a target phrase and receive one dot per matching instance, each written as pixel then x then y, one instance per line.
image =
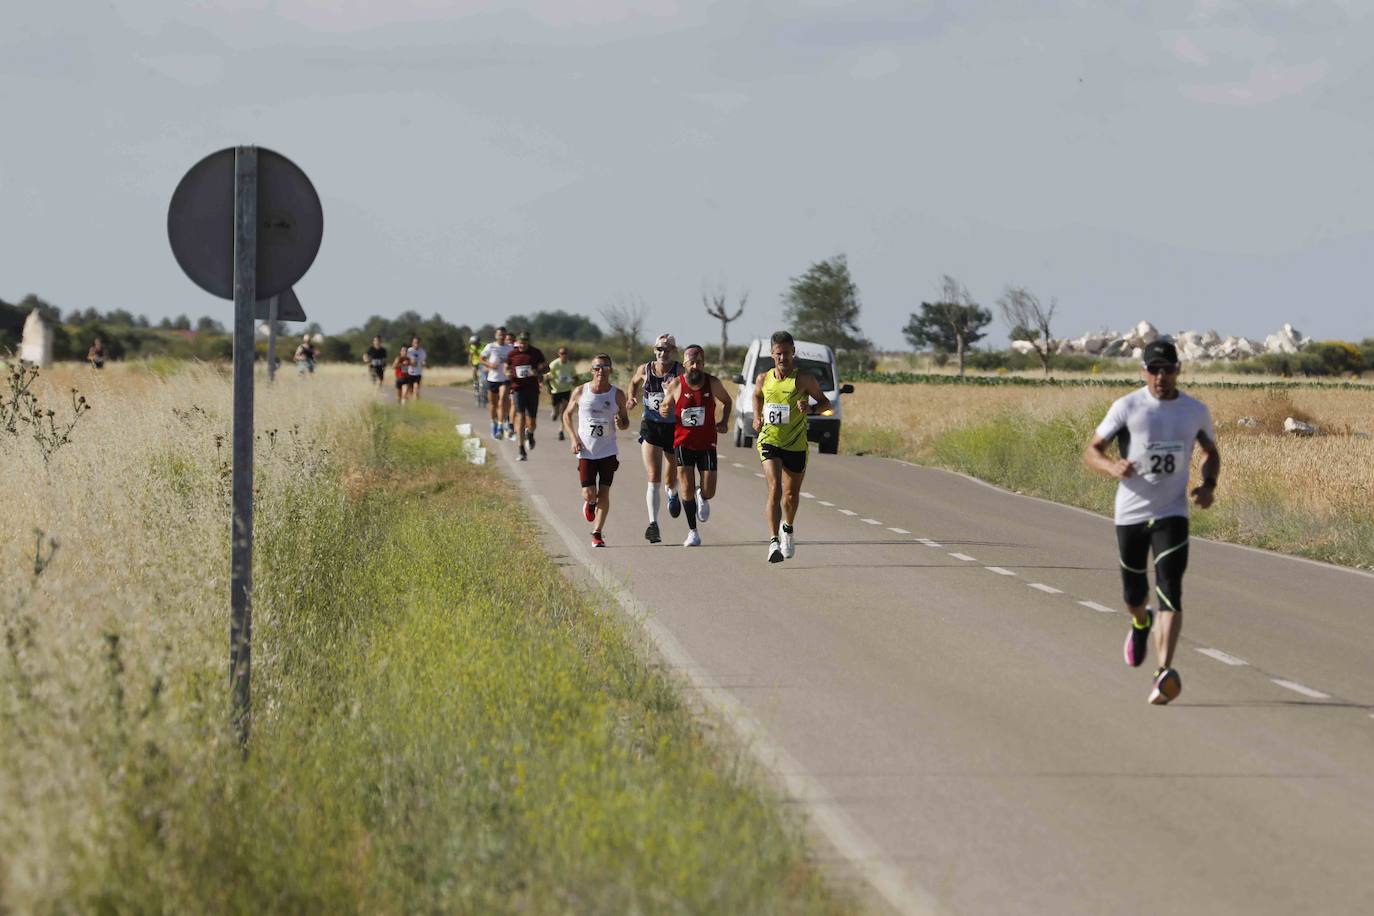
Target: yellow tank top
pixel 783 422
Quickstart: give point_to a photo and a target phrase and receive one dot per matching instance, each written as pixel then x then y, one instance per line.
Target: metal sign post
pixel 272 339
pixel 241 549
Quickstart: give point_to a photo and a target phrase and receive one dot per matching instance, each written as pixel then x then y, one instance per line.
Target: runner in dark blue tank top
pixel 656 431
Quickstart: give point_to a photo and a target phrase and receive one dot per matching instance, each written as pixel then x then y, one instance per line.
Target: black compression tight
pixel 1167 539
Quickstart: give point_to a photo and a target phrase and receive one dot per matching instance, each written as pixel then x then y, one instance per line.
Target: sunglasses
pixel 1157 370
pixel 662 349
pixel 600 367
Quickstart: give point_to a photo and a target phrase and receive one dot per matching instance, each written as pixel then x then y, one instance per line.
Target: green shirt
pixel 562 375
pixel 783 423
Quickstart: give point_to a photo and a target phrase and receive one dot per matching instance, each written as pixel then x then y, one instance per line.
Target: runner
pixel 780 407
pixel 656 431
pixel 305 357
pixel 525 367
pixel 691 399
pixel 376 360
pixel 1155 428
pixel 509 341
pixel 479 385
pixel 493 357
pixel 401 366
pixel 562 380
pixel 417 357
pixel 592 408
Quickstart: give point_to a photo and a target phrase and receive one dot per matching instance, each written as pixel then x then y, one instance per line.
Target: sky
pixel 1200 164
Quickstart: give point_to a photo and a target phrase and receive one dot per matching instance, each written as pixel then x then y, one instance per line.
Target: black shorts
pixel 590 469
pixel 378 372
pixel 526 400
pixel 659 435
pixel 402 381
pixel 1167 539
pixel 413 380
pixel 792 462
pixel 701 459
pixel 494 387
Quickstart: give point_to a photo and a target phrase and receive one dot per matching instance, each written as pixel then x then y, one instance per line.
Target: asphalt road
pixel 942 664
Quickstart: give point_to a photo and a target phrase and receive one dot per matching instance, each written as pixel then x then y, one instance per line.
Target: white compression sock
pixel 651 501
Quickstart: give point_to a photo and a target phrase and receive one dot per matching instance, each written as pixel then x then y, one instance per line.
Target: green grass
pixel 442 724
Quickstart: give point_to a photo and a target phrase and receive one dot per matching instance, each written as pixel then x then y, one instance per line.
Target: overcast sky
pixel 1199 164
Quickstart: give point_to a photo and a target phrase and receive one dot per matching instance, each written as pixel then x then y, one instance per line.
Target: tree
pixel 822 305
pixel 715 307
pixel 625 318
pixel 949 325
pixel 208 325
pixel 1029 320
pixel 556 326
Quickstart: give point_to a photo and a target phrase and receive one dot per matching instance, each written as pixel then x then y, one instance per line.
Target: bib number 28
pixel 1162 464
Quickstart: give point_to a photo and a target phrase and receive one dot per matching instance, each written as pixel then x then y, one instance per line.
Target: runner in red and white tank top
pixel 691 399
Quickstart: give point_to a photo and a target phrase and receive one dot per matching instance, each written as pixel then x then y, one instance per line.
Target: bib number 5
pixel 693 416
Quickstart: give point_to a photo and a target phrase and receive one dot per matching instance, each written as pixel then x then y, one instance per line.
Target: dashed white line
pixel 870 521
pixel 1300 688
pixel 824 503
pixel 847 512
pixel 1098 607
pixel 757 474
pixel 963 556
pixel 737 464
pixel 928 542
pixel 999 570
pixel 806 495
pixel 1223 657
pixel 1047 589
pixel 899 530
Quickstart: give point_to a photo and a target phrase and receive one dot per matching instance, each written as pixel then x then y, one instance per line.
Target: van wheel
pixel 748 441
pixel 830 448
pixel 739 437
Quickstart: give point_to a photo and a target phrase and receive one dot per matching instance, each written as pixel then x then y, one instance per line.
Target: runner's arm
pixel 758 401
pixel 635 381
pixel 570 419
pixel 670 392
pixel 813 388
pixel 622 416
pixel 1096 458
pixel 1204 493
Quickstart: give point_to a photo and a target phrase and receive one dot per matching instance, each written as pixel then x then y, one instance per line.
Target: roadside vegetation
pixel 1310 496
pixel 441 722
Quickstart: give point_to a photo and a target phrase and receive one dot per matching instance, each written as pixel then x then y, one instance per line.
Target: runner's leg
pixel 603 505
pixel 688 487
pixel 791 493
pixel 1169 541
pixel 772 510
pixel 653 467
pixel 708 484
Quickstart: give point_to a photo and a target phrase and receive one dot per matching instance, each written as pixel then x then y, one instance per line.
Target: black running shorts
pixel 792 462
pixel 701 459
pixel 659 435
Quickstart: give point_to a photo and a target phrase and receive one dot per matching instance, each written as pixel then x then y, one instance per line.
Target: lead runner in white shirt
pixel 595 411
pixel 1155 428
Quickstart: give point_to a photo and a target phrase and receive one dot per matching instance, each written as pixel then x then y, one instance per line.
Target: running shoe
pixel 674 504
pixel 703 508
pixel 774 551
pixel 1138 640
pixel 529 438
pixel 693 539
pixel 496 430
pixel 789 544
pixel 560 435
pixel 1168 685
pixel 651 533
pixel 589 511
pixel 598 540
pixel 523 456
pixel 510 430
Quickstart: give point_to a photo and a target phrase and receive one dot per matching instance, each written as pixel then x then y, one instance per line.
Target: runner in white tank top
pixel 595 411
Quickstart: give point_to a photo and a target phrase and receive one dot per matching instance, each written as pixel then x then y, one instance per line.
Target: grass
pixel 1312 497
pixel 441 722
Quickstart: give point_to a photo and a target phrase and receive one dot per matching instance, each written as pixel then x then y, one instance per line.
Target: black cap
pixel 1160 353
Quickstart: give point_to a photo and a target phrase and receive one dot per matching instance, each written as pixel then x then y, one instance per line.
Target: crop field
pixel 1310 496
pixel 431 733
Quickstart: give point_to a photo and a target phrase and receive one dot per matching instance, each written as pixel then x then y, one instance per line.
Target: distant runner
pixel 1155 428
pixel 691 399
pixel 401 366
pixel 493 359
pixel 780 407
pixel 305 357
pixel 525 367
pixel 656 431
pixel 562 380
pixel 595 411
pixel 418 358
pixel 376 361
pixel 479 385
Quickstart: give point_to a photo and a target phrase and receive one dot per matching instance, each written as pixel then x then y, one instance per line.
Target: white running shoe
pixel 703 508
pixel 693 539
pixel 774 551
pixel 789 544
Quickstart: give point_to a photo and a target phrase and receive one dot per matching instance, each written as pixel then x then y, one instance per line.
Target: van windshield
pixel 817 368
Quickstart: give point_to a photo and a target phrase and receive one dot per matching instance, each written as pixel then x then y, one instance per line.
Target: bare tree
pixel 625 319
pixel 715 307
pixel 1029 320
pixel 950 324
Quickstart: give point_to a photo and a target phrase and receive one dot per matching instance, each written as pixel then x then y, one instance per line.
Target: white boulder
pixel 1298 427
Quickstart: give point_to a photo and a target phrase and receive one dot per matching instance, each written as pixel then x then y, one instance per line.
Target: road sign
pixel 289 224
pixel 288 308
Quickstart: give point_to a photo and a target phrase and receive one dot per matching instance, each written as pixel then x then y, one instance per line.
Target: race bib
pixel 376 362
pixel 524 371
pixel 564 378
pixel 596 430
pixel 653 401
pixel 693 416
pixel 777 414
pixel 1163 458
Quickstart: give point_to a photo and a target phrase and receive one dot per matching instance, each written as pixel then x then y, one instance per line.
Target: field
pixel 1309 496
pixel 437 727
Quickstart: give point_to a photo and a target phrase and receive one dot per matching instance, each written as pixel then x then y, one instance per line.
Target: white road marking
pixel 870 521
pixel 1299 688
pixel 824 503
pixel 999 570
pixel 1047 589
pixel 806 495
pixel 737 464
pixel 757 474
pixel 928 542
pixel 963 556
pixel 899 530
pixel 1223 657
pixel 848 512
pixel 1098 607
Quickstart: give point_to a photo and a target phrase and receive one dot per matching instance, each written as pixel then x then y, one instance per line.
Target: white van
pixel 817 359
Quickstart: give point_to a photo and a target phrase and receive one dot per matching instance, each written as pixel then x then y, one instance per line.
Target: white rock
pixel 1094 343
pixel 1144 333
pixel 1251 422
pixel 1298 427
pixel 1137 352
pixel 1023 346
pixel 36 344
pixel 1211 339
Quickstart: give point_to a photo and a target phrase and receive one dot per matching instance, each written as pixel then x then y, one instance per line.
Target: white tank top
pixel 596 423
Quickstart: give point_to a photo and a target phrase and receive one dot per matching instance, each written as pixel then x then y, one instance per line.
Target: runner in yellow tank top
pixel 781 398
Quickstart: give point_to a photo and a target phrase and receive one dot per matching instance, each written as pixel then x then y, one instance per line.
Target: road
pixel 940 667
